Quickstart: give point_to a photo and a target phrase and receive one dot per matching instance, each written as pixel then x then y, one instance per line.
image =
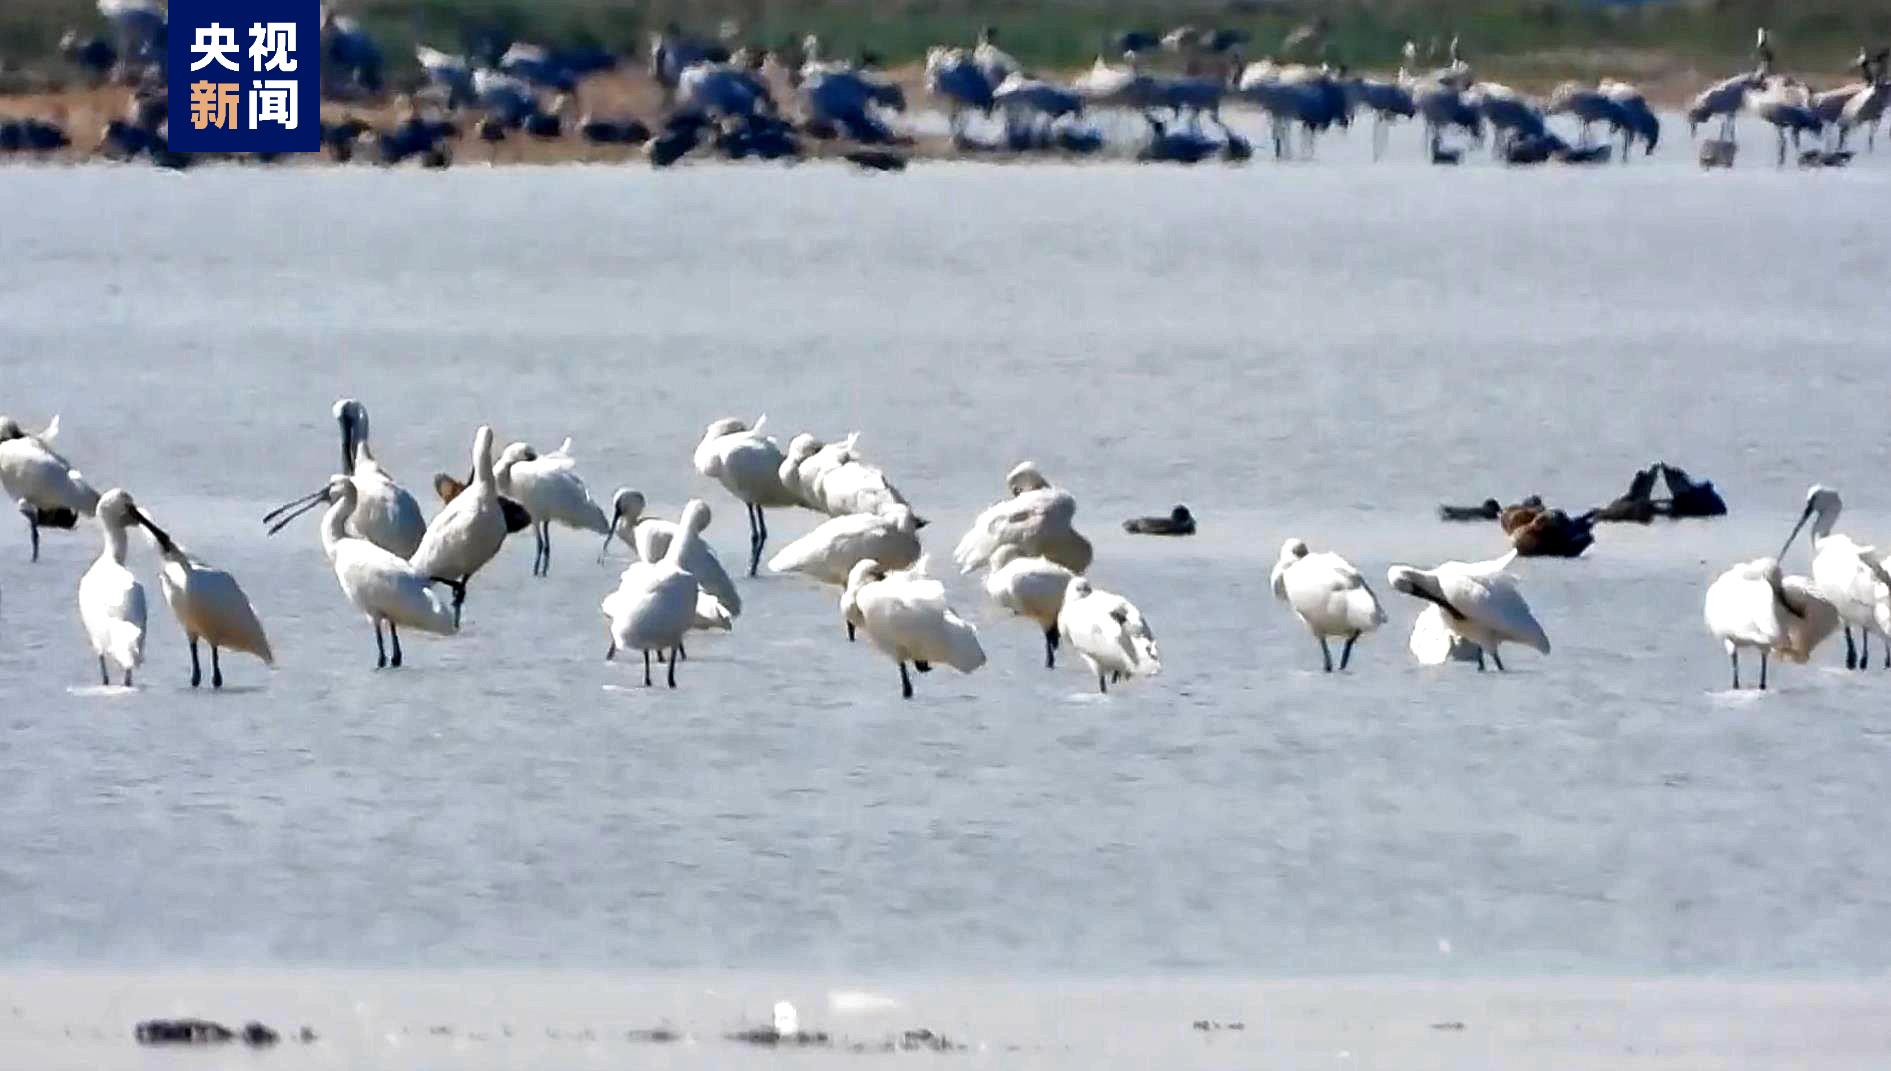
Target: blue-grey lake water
pixel 1322 350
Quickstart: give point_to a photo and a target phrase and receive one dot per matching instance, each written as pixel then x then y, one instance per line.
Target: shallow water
pixel 1323 352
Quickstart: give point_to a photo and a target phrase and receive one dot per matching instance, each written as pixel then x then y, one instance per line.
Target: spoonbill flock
pixel 399 572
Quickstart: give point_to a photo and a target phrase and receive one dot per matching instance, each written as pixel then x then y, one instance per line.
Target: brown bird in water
pixel 1537 531
pixel 1638 504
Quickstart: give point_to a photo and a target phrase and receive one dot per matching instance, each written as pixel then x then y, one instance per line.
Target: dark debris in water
pixel 1210 1025
pixel 1452 1025
pixel 921 1040
pixel 206 1032
pixel 768 1035
pixel 661 1035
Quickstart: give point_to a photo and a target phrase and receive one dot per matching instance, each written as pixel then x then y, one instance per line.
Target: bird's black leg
pixel 1495 657
pixel 128 678
pixel 1480 660
pixel 850 632
pixel 394 633
pixel 1102 686
pixel 196 670
pixel 1864 648
pixel 459 598
pixel 1050 648
pixel 104 675
pixel 380 645
pixel 755 539
pixel 216 665
pixel 646 669
pixel 1763 653
pixel 1346 653
pixel 673 661
pixel 32 528
pixel 681 652
pixel 1735 657
pixel 540 532
pixel 906 683
pixel 1326 655
pixel 610 653
pixel 1851 651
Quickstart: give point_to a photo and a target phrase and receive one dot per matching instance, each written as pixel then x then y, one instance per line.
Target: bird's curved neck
pixel 114 538
pixel 335 525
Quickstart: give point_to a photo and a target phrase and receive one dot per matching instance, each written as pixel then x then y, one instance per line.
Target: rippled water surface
pixel 1315 351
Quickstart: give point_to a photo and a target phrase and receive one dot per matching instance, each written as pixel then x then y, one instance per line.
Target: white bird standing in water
pixel 1328 596
pixel 1751 605
pixel 385 587
pixel 209 605
pixel 111 600
pixel 650 538
pixel 1480 601
pixel 465 535
pixel 655 604
pixel 49 491
pixel 1037 519
pixel 549 488
pixel 1109 632
pixel 855 486
pixel 904 614
pixel 385 514
pixel 1032 588
pixel 1848 574
pixel 748 465
pixel 829 552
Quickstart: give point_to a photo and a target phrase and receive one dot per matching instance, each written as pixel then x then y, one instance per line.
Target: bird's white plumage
pixel 1108 631
pixel 829 553
pixel 469 530
pixel 380 584
pixel 1743 609
pixel 549 487
pixel 1484 604
pixel 651 537
pixel 34 474
pixel 905 615
pixel 744 461
pixel 655 604
pixel 1325 592
pixel 1037 519
pixel 1849 575
pixel 1028 586
pixel 111 600
pixel 1432 642
pixel 385 513
pixel 209 604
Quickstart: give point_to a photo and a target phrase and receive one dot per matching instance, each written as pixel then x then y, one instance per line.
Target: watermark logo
pixel 245 75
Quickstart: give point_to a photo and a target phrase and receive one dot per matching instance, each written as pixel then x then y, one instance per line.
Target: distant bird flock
pixel 402 572
pixel 724 98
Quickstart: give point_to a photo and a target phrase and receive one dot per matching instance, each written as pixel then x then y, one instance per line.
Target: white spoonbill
pixel 800 448
pixel 905 615
pixel 1032 588
pixel 385 514
pixel 1480 601
pixel 1036 519
pixel 50 492
pixel 209 605
pixel 549 488
pixel 828 553
pixel 465 535
pixel 855 486
pixel 655 604
pixel 111 600
pixel 1849 574
pixel 1109 632
pixel 385 587
pixel 748 465
pixel 1751 606
pixel 650 538
pixel 1328 596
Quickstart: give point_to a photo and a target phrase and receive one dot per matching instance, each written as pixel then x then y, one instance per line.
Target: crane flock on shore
pixel 400 571
pixel 734 100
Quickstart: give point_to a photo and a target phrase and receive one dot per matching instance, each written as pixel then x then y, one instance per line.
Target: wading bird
pixel 905 615
pixel 1109 632
pixel 1480 602
pixel 1328 596
pixel 111 600
pixel 210 606
pixel 49 491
